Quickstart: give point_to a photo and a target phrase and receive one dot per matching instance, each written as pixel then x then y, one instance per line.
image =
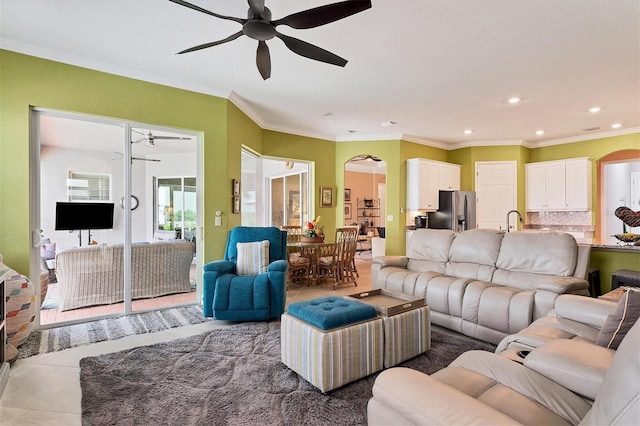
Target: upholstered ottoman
pixel 332 341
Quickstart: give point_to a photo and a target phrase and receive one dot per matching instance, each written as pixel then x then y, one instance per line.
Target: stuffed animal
pixel 628 216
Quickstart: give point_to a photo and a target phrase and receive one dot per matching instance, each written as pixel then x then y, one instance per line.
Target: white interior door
pixel 496 193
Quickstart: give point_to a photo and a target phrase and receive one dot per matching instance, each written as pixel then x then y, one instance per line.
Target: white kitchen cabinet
pixel 558 185
pixel 578 184
pixel 449 176
pixel 425 178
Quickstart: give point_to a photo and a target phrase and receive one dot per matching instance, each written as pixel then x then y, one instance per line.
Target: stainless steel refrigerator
pixel 456 210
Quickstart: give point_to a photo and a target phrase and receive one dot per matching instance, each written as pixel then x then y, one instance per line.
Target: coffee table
pixel 406 322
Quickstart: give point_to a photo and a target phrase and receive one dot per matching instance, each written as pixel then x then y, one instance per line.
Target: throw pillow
pixel 253 258
pixel 48 251
pixel 620 321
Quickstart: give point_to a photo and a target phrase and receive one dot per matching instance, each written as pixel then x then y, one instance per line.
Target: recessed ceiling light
pixel 539 132
pixel 389 123
pixel 468 132
pixel 514 100
pixel 616 125
pixel 594 109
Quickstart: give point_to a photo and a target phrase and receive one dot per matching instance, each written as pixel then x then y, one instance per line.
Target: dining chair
pixel 337 261
pixel 299 266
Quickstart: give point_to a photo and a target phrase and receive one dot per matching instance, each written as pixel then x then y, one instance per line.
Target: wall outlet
pixel 390 218
pixel 218 221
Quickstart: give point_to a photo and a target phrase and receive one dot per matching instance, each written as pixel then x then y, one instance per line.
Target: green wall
pixel 609 261
pixel 27 81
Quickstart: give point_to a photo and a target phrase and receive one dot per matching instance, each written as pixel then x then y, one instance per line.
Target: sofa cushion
pixel 547 253
pixel 331 312
pixel 253 258
pixel 620 321
pixel 431 244
pixel 473 254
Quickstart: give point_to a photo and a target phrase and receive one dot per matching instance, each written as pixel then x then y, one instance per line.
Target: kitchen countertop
pixel 617 247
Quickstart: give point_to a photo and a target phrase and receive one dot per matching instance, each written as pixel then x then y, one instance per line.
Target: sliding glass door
pixel 115 235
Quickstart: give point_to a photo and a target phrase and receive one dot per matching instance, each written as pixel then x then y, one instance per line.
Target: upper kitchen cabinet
pixel 425 178
pixel 563 185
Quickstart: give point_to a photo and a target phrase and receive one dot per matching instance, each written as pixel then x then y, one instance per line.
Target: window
pixel 89 186
pixel 176 206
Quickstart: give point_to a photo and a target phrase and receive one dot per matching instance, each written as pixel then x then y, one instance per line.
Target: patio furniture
pixel 94 275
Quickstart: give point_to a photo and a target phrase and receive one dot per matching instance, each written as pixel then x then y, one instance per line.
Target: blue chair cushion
pixel 331 312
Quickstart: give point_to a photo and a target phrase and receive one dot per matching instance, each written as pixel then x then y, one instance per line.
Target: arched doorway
pixel 618 185
pixel 365 179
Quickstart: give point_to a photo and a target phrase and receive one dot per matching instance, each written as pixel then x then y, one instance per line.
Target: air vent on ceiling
pixel 590 129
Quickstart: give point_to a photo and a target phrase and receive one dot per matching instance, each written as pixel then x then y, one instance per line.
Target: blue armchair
pixel 232 297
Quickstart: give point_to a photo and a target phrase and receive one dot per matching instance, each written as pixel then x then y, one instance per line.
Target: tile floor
pixel 45 389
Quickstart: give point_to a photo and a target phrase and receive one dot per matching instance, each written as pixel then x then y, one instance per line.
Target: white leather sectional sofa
pixel 565 379
pixel 484 283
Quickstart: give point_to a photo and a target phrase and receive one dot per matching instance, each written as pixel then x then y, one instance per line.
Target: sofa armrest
pixel 384 261
pixel 220 266
pixel 278 266
pixel 408 396
pixel 576 365
pixel 586 310
pixel 562 284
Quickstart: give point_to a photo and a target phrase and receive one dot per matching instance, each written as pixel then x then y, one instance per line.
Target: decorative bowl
pixel 628 237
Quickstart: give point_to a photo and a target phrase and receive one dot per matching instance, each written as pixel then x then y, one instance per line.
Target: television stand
pixel 80 237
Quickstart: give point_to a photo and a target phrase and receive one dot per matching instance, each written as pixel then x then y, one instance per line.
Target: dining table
pixel 311 251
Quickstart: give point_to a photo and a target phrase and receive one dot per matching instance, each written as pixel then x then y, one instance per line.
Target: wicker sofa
pixel 95 275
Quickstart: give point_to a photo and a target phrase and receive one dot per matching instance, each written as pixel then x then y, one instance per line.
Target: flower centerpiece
pixel 314 232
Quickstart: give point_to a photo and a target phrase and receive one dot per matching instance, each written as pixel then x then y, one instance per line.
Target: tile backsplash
pixel 559 218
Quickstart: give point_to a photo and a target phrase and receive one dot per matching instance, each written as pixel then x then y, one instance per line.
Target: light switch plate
pixel 390 218
pixel 218 221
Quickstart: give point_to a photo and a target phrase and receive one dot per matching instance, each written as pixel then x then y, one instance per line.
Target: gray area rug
pixel 229 376
pixel 56 339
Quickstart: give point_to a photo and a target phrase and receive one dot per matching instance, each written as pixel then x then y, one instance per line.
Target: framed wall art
pixel 347 194
pixel 326 196
pixel 347 211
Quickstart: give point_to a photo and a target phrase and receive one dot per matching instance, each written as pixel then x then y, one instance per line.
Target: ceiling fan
pixel 259 26
pixel 150 138
pixel 137 158
pixel 365 158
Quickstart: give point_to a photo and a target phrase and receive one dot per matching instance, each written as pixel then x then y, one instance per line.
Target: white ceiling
pixel 436 67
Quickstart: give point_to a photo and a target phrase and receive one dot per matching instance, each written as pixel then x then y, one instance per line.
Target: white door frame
pixel 35 207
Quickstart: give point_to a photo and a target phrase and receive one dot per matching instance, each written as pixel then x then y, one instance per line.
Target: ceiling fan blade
pixel 175 138
pixel 322 15
pixel 213 43
pixel 263 60
pixel 139 140
pixel 199 9
pixel 257 7
pixel 155 160
pixel 310 51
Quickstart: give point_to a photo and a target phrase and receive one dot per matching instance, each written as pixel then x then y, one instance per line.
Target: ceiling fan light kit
pixel 259 26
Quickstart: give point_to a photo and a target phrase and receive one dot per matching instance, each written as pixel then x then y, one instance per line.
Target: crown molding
pixel 507 142
pixel 426 141
pixel 591 136
pixel 107 67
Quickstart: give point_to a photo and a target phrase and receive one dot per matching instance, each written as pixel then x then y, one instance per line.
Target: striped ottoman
pixel 406 335
pixel 332 341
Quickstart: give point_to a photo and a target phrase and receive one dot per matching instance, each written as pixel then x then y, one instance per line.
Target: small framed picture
pixel 347 211
pixel 347 194
pixel 326 196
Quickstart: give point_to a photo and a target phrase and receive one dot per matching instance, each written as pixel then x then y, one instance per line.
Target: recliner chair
pixel 261 297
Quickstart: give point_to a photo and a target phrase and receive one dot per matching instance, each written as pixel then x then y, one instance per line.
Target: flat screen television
pixel 78 216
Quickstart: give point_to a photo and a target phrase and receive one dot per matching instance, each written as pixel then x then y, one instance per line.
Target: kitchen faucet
pixel 519 217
